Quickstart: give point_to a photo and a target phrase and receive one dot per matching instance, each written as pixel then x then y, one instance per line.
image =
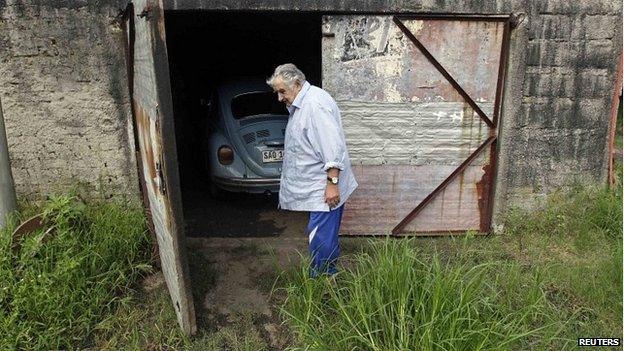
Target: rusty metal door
pixel 150 92
pixel 420 100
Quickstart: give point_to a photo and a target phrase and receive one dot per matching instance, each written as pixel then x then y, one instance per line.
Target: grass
pixel 577 240
pixel 396 298
pixel 63 279
pixel 144 320
pixel 552 276
pixel 91 285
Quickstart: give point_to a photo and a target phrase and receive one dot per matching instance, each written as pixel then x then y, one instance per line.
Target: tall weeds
pixel 552 276
pixel 64 278
pixel 395 298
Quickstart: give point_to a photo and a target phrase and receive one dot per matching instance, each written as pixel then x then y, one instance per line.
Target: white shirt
pixel 314 142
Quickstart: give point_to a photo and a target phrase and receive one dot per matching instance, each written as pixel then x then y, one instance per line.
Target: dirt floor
pixel 237 247
pixel 234 280
pixel 239 215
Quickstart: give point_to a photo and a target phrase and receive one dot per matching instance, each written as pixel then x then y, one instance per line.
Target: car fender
pixel 235 170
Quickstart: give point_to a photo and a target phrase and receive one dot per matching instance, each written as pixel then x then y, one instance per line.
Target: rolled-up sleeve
pixel 326 137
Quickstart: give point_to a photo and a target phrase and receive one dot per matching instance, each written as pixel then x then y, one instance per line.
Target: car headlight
pixel 225 155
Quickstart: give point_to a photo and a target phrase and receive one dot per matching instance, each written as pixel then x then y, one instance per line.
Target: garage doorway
pixel 398 65
pixel 206 51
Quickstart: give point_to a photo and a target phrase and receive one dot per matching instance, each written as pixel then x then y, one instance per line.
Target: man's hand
pixel 332 195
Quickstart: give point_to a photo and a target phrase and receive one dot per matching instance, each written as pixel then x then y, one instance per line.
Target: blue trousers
pixel 323 244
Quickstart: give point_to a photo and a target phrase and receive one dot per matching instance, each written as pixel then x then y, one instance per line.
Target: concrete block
pixel 593 82
pixel 551 26
pixel 598 53
pixel 552 52
pixel 601 26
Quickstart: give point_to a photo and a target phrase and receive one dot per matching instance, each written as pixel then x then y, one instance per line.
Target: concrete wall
pixel 556 119
pixel 62 81
pixel 65 99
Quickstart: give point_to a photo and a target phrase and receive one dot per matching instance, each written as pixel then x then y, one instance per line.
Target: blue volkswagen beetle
pixel 245 144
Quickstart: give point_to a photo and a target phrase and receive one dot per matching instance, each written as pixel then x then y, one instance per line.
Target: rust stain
pixel 461 188
pixel 145 144
pixel 483 191
pixel 474 42
pixel 613 122
pixel 161 24
pixel 33 224
pixel 442 197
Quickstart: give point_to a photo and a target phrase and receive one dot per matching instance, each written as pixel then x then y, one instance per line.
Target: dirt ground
pixel 233 280
pixel 237 247
pixel 239 215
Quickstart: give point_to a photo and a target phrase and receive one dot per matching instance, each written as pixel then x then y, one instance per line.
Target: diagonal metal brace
pixel 399 227
pixel 443 71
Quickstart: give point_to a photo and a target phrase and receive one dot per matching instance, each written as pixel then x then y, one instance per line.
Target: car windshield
pixel 258 103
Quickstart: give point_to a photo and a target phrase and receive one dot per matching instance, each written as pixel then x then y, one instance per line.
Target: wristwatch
pixel 333 180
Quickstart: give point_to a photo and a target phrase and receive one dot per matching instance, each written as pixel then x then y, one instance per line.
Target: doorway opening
pixel 210 50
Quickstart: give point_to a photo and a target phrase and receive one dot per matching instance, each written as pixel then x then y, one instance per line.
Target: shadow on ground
pixel 238 215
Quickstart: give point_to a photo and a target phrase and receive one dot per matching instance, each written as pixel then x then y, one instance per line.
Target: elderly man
pixel 316 172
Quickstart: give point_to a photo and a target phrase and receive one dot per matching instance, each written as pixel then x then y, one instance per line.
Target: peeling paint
pixel 400 114
pixel 146 100
pixel 415 26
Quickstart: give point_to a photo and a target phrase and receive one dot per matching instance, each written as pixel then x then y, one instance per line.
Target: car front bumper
pixel 248 185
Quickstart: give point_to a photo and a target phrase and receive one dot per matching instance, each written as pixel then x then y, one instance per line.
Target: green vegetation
pixel 553 275
pixel 62 280
pixel 395 300
pixel 144 320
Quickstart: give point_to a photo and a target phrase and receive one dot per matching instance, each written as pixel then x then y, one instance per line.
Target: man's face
pixel 285 93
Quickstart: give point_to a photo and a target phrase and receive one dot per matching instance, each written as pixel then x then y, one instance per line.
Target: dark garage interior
pixel 206 49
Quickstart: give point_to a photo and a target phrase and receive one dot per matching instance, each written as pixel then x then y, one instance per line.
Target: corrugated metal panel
pixel 153 122
pixel 410 123
pixel 440 133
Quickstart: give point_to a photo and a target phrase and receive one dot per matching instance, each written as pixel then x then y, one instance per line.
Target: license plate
pixel 272 156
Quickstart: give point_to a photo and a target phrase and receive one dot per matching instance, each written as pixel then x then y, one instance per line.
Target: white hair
pixel 289 74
